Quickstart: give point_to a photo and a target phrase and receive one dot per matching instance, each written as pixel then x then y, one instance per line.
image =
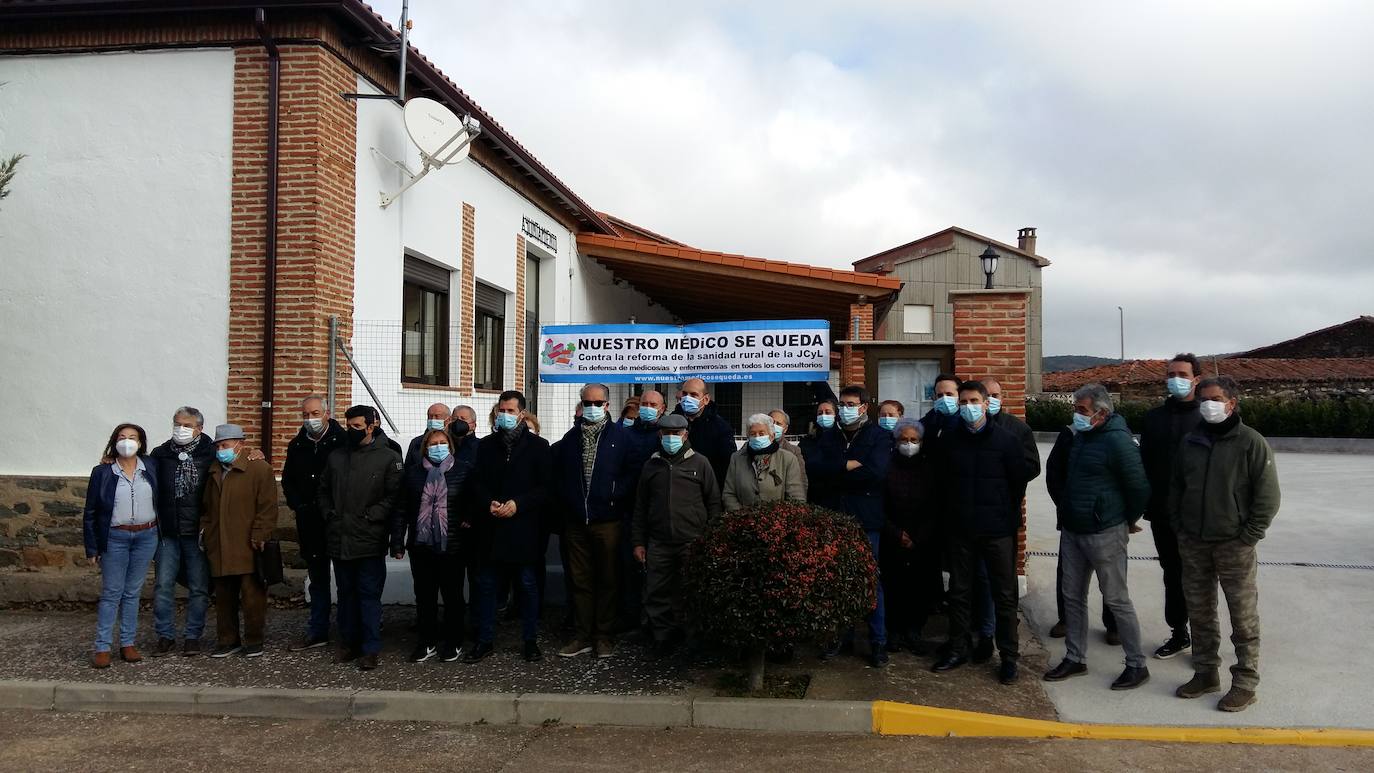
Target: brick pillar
pixel 315 242
pixel 852 357
pixel 467 298
pixel 518 329
pixel 990 341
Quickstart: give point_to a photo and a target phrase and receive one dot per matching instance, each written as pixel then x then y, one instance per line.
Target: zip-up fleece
pixel 1224 485
pixel 676 499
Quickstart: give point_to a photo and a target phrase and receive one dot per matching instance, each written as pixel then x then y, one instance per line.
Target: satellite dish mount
pixel 441 137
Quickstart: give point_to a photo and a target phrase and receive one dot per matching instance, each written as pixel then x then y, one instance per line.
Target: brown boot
pixel 130 655
pixel 100 660
pixel 1202 683
pixel 1236 700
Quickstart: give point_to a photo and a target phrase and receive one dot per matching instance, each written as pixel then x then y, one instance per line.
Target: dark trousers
pixel 235 593
pixel 360 584
pixel 1175 604
pixel 663 589
pixel 310 531
pixel 1108 619
pixel 436 575
pixel 489 578
pixel 911 586
pixel 594 558
pixel 631 583
pixel 963 554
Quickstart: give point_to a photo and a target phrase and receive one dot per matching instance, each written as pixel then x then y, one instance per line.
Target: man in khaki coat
pixel 238 518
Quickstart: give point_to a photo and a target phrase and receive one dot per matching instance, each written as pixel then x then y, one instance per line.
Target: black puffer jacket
pixel 1161 432
pixel 180 515
pixel 985 475
pixel 1025 436
pixel 404 517
pixel 300 483
pixel 357 494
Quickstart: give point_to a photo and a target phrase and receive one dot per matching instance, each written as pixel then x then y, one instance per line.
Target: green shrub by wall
pixel 1271 417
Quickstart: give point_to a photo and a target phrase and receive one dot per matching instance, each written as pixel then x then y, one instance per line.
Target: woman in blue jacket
pixel 121 537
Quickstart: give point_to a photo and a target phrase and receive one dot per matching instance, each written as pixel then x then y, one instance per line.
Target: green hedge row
pixel 1336 417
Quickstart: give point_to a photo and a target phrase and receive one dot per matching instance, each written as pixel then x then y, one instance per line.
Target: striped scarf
pixel 186 478
pixel 431 524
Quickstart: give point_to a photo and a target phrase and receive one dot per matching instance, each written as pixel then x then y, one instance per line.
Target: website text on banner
pixel 767 350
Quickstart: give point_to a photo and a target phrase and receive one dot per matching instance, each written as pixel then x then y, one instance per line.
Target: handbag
pixel 267 565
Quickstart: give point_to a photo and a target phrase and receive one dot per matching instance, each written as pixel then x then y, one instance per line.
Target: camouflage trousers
pixel 1231 564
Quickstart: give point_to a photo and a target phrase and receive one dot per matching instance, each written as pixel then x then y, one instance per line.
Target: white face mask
pixel 1213 412
pixel 908 449
pixel 126 447
pixel 183 435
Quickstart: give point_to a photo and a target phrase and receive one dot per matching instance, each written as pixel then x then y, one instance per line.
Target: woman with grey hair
pixel 761 471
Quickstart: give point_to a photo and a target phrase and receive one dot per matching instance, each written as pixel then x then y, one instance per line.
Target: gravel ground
pixel 49 741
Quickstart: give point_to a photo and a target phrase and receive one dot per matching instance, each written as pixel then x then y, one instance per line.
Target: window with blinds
pixel 424 323
pixel 489 338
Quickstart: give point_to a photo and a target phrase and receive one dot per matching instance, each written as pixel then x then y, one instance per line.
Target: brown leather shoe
pixel 100 660
pixel 130 655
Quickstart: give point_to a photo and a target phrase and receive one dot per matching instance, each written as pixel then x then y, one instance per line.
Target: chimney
pixel 1025 239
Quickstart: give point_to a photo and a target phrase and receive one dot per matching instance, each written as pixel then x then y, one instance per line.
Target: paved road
pixel 1316 623
pixel 48 741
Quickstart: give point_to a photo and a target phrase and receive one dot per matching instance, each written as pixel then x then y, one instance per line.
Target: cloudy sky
pixel 1205 165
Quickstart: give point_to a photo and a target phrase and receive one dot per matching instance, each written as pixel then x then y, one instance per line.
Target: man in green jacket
pixel 1105 492
pixel 355 498
pixel 1223 495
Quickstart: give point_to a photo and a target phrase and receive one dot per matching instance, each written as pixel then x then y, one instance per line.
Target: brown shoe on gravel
pixel 1236 700
pixel 164 647
pixel 604 649
pixel 1202 683
pixel 574 648
pixel 100 660
pixel 346 655
pixel 130 655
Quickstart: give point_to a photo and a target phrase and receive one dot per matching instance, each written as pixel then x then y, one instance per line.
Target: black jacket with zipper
pixel 180 515
pixel 1161 433
pixel 356 496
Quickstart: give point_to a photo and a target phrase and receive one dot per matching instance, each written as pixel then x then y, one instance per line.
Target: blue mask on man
pixel 593 413
pixel 437 453
pixel 947 405
pixel 671 443
pixel 226 455
pixel 994 406
pixel 777 432
pixel 888 423
pixel 1179 387
pixel 434 424
pixel 848 414
pixel 690 405
pixel 648 414
pixel 825 420
pixel 1082 423
pixel 506 421
pixel 971 414
pixel 760 442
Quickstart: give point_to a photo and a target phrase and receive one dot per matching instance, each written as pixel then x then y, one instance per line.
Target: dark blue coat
pixel 984 476
pixel 100 494
pixel 858 492
pixel 611 493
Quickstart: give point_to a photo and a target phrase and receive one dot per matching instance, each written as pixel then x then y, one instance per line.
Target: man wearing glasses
pixel 594 477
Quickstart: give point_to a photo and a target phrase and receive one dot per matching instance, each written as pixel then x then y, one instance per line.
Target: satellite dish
pixel 441 137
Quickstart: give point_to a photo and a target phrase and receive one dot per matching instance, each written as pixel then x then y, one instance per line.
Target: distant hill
pixel 1064 362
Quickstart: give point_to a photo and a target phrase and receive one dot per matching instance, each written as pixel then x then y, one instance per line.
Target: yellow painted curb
pixel 891 718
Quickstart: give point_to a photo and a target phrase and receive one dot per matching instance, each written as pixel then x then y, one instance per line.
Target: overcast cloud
pixel 1205 165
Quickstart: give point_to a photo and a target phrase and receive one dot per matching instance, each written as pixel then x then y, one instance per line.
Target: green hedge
pixel 1271 417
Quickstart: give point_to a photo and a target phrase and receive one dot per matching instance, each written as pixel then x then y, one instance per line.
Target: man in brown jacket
pixel 238 518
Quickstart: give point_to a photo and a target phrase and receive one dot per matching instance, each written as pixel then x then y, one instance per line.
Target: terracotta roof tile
pixel 1243 370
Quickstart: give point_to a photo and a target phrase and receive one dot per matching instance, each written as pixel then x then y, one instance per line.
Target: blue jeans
pixel 123 569
pixel 360 584
pixel 487 580
pixel 175 554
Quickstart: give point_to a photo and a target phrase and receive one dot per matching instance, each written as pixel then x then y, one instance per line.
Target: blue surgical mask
pixel 671 443
pixel 690 405
pixel 825 420
pixel 627 421
pixel 994 406
pixel 507 420
pixel 887 422
pixel 1082 423
pixel 971 414
pixel 648 414
pixel 434 424
pixel 593 413
pixel 777 432
pixel 226 455
pixel 437 453
pixel 1179 387
pixel 760 442
pixel 947 405
pixel 848 414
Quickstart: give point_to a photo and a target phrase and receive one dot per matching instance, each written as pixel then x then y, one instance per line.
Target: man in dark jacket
pixel 711 435
pixel 1104 495
pixel 653 407
pixel 511 484
pixel 1223 495
pixel 1160 436
pixel 306 456
pixel 183 465
pixel 944 416
pixel 356 496
pixel 594 473
pixel 677 496
pixel 853 457
pixel 984 471
pixel 437 416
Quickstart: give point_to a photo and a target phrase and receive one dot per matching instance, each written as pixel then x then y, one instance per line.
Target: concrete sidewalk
pixel 1316 623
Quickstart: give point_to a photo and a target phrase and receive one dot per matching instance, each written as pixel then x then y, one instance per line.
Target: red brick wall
pixel 852 358
pixel 519 325
pixel 467 297
pixel 315 238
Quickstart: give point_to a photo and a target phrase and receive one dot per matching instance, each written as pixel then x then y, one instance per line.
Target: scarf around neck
pixel 186 478
pixel 431 523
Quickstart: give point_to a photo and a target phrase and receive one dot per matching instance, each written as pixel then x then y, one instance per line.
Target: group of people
pixel 627 493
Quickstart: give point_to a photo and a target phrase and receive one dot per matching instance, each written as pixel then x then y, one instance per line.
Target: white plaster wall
pixel 114 249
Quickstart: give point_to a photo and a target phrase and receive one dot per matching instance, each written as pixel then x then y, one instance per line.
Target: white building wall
pixel 114 249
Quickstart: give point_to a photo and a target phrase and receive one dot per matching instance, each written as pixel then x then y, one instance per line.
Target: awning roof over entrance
pixel 702 286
